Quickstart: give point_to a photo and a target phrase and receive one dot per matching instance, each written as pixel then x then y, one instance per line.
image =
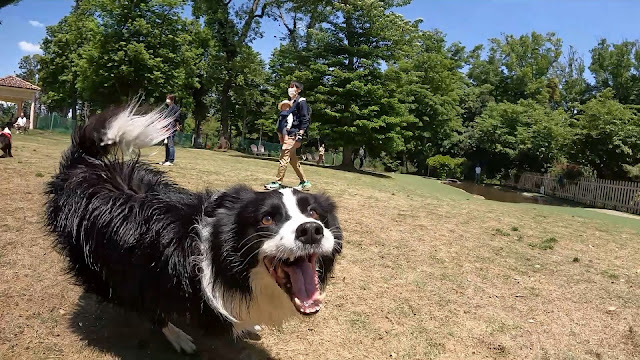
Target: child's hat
pixel 286 102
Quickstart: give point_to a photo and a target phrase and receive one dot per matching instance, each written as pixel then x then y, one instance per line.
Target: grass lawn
pixel 428 272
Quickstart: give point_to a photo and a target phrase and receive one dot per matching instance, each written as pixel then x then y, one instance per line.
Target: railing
pixel 610 194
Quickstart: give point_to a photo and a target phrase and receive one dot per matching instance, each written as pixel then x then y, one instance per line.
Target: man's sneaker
pixel 168 163
pixel 273 185
pixel 304 185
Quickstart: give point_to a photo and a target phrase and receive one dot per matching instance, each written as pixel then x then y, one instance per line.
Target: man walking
pixel 300 111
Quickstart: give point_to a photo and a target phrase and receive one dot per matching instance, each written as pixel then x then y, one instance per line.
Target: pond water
pixel 505 194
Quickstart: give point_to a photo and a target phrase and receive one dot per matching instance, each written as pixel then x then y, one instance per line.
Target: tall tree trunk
pixel 244 126
pixel 74 111
pixel 347 161
pixel 225 108
pixel 348 151
pixel 406 163
pixel 200 111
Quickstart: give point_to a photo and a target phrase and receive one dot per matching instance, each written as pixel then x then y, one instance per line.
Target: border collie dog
pixel 5 140
pixel 233 259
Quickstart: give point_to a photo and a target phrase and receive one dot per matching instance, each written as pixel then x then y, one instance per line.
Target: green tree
pixel 233 26
pixel 525 136
pixel 141 47
pixel 61 57
pixel 617 66
pixel 606 136
pixel 574 87
pixel 518 67
pixel 202 74
pixel 296 58
pixel 300 18
pixel 29 66
pixel 7 112
pixel 431 84
pixel 107 53
pixel 354 103
pixel 252 102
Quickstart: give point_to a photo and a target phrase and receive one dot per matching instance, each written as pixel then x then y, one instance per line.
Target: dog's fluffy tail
pixel 126 128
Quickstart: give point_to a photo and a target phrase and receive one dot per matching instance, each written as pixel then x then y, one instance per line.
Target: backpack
pixel 309 107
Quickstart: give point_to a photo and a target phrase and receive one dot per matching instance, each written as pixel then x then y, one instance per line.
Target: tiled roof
pixel 16 82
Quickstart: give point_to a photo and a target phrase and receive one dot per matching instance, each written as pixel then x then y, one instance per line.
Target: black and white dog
pixel 5 140
pixel 235 259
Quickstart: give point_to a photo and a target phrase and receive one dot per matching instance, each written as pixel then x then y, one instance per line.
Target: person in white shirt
pixel 478 171
pixel 21 123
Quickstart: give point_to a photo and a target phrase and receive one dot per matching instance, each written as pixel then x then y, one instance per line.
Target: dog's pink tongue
pixel 303 280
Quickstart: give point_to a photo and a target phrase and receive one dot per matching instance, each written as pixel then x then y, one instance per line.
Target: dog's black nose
pixel 309 233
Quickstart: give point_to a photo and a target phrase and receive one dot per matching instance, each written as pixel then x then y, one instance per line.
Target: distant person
pixel 285 120
pixel 478 172
pixel 173 111
pixel 21 123
pixel 320 155
pixel 301 119
pixel 362 155
pixel 223 144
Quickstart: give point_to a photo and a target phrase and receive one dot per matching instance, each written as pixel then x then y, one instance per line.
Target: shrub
pixel 443 167
pixel 570 172
pixel 632 171
pixel 390 164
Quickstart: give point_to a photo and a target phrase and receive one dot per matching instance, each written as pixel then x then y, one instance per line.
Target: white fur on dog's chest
pixel 269 305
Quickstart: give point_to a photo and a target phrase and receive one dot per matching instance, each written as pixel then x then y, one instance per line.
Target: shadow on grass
pixel 129 336
pixel 307 163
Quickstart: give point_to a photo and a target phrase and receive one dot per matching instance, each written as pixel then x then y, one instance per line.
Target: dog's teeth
pixel 297 301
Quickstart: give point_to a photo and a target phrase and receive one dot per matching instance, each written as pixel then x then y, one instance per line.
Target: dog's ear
pixel 240 191
pixel 325 202
pixel 228 199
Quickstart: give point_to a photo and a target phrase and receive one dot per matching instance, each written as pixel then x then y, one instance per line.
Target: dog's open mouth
pixel 299 279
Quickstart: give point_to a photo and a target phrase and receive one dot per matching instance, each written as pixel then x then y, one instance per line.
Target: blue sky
pixel 580 23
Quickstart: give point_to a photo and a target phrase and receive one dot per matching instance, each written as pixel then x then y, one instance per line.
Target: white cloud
pixel 36 23
pixel 29 47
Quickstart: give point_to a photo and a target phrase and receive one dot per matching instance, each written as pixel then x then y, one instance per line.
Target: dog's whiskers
pixel 265 234
pixel 249 258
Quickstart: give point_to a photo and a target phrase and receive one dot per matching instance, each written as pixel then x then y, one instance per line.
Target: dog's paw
pixel 253 333
pixel 179 339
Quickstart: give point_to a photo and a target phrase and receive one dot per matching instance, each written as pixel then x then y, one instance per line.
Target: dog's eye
pixel 267 220
pixel 313 214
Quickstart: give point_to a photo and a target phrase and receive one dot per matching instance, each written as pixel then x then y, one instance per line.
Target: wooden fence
pixel 609 194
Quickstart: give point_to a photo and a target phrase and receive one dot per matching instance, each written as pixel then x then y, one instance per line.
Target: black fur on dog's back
pixel 126 230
